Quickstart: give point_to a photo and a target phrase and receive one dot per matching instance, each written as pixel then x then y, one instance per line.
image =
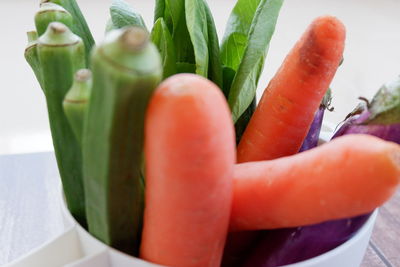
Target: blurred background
pixel 372 56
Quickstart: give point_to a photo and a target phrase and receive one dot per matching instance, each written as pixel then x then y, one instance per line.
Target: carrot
pixel 348 176
pixel 286 110
pixel 190 156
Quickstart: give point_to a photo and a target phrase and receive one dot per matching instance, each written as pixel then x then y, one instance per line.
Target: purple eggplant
pixel 381 118
pixel 312 138
pixel 291 245
pixel 240 245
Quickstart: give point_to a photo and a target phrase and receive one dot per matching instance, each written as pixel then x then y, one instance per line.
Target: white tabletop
pixel 27 190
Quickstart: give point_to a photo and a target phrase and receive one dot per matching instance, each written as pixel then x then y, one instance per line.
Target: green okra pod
pixel 31 55
pixel 61 54
pixel 50 12
pixel 80 26
pixel 126 69
pixel 76 101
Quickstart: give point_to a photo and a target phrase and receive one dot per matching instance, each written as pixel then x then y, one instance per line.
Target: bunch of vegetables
pixel 151 167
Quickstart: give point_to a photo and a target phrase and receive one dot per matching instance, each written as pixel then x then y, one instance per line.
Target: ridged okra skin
pixel 80 26
pixel 49 13
pixel 126 70
pixel 31 55
pixel 61 54
pixel 76 101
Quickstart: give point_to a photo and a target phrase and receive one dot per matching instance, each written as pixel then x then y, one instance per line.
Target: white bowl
pixel 77 248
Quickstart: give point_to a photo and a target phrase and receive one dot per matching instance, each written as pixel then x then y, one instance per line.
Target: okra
pixel 31 55
pixel 76 101
pixel 50 12
pixel 80 26
pixel 126 69
pixel 61 54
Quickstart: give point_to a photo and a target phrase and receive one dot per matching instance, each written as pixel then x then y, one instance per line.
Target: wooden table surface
pixel 384 247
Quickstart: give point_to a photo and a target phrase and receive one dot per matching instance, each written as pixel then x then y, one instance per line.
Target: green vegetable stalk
pixel 126 69
pixel 31 55
pixel 76 101
pixel 243 121
pixel 50 12
pixel 80 26
pixel 61 53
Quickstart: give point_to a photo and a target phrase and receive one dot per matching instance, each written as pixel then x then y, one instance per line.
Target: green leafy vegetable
pixel 159 10
pixel 215 67
pixel 123 15
pixel 196 20
pixel 236 33
pixel 244 84
pixel 385 106
pixel 162 38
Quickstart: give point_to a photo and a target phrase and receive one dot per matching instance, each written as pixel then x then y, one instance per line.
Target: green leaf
pixel 215 66
pixel 123 15
pixel 243 121
pixel 162 38
pixel 173 13
pixel 385 106
pixel 159 10
pixel 184 67
pixel 196 20
pixel 236 33
pixel 244 85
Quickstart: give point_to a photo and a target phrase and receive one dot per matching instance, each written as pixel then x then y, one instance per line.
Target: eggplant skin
pixel 312 138
pixel 358 124
pixel 291 245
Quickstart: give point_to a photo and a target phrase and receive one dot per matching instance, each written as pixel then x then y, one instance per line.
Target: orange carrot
pixel 348 176
pixel 286 110
pixel 190 156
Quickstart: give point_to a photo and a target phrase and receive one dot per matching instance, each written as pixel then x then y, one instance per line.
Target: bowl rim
pixel 359 234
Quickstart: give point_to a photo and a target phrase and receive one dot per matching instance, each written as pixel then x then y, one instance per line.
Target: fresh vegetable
pixel 312 137
pixel 312 187
pixel 126 69
pixel 31 55
pixel 162 38
pixel 214 65
pixel 243 121
pixel 189 165
pixel 61 54
pixel 173 13
pixel 290 245
pixel 284 115
pixel 244 84
pixel 50 12
pixel 380 117
pixel 76 101
pixel 123 15
pixel 239 246
pixel 194 40
pixel 80 26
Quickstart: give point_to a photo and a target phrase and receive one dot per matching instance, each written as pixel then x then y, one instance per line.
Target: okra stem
pixel 80 26
pixel 126 69
pixel 61 54
pixel 76 101
pixel 50 12
pixel 31 55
